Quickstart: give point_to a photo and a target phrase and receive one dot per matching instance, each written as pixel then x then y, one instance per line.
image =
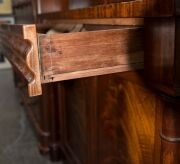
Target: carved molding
pixel 19 45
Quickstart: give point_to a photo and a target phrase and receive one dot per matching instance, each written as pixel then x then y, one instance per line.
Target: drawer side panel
pixel 76 55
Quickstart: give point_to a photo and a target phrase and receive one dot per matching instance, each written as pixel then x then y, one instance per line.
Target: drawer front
pixel 66 56
pixel 19 45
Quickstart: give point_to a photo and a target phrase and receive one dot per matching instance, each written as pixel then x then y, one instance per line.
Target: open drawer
pixel 46 58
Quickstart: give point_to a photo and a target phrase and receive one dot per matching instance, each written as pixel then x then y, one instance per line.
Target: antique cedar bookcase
pixel 97 104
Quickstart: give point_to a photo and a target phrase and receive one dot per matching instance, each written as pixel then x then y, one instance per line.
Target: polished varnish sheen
pixel 79 9
pixel 19 45
pixel 112 120
pixel 162 37
pixel 124 118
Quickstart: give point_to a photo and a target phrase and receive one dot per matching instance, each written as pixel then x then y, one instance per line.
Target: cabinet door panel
pixel 126 122
pixel 110 120
pixel 78 109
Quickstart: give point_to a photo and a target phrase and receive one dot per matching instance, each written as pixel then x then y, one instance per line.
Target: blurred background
pixel 18 143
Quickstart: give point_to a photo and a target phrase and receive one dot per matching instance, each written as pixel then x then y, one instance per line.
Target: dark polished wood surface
pixel 116 118
pixel 170 133
pixel 162 37
pixel 105 119
pixel 86 9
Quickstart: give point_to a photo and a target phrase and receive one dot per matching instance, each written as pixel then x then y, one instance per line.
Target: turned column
pixel 162 71
pixel 170 132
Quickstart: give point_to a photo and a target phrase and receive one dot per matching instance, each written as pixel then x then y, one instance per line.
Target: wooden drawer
pixel 46 58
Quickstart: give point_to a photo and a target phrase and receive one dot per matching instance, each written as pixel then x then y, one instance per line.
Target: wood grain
pixel 19 44
pixel 170 132
pixel 107 21
pixel 126 121
pixel 162 38
pixel 177 56
pixel 76 55
pixel 159 49
pixel 108 120
pixel 141 8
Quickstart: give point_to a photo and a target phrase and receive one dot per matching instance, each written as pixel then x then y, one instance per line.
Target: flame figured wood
pixel 85 54
pixel 84 9
pixel 19 45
